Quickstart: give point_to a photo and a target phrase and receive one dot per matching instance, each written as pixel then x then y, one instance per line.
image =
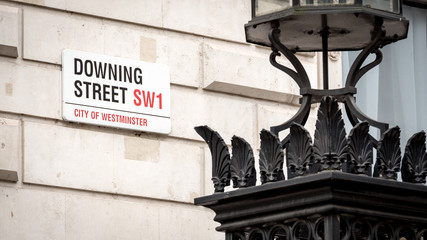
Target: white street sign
pixel 115 92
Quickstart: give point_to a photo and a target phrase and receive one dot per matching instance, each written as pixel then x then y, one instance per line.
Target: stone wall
pixel 77 181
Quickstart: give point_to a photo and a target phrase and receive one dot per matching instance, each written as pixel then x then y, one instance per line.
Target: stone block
pixel 98 218
pixel 251 74
pixel 136 219
pixel 113 163
pixel 55 215
pixel 10 149
pixel 32 89
pixel 188 222
pixel 229 115
pixel 9 31
pixel 205 18
pixel 47 33
pixel 168 170
pixel 121 40
pixel 180 52
pixel 136 11
pixel 31 214
pixel 224 20
pixel 59 4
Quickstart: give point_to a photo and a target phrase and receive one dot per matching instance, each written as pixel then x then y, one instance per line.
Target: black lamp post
pixel 332 190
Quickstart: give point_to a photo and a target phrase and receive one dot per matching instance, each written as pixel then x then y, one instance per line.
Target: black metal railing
pixel 330 150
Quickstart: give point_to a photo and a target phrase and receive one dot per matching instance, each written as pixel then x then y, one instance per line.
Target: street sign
pixel 115 92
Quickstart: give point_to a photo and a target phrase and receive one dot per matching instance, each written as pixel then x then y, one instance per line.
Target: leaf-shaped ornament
pixel 299 151
pixel 242 166
pixel 330 144
pixel 414 162
pixel 220 157
pixel 389 155
pixel 271 158
pixel 360 149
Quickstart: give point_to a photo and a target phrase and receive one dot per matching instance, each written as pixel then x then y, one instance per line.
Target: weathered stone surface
pixel 59 4
pixel 226 114
pixel 31 214
pixel 188 223
pixel 224 20
pixel 9 31
pixel 47 33
pixel 251 73
pixel 32 89
pixel 55 214
pixel 10 132
pixel 136 219
pixel 10 148
pixel 115 219
pixel 103 162
pixel 137 11
pixel 199 17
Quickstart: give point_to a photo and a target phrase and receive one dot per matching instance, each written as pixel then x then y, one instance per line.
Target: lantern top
pixel 265 7
pixel 349 24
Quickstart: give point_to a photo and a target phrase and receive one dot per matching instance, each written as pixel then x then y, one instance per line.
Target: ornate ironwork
pixel 270 158
pixel 345 95
pixel 331 150
pixel 299 154
pixel 388 155
pixel 330 144
pixel 220 157
pixel 300 77
pixel 329 205
pixel 242 166
pixel 414 162
pixel 331 201
pixel 322 205
pixel 360 149
pixel 349 227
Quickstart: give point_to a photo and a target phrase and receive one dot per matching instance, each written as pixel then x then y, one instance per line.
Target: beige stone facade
pixel 78 181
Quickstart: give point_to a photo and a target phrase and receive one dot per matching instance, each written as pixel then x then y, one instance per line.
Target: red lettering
pixel 148 97
pixel 81 113
pixel 160 100
pixel 137 100
pixel 149 100
pixel 104 116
